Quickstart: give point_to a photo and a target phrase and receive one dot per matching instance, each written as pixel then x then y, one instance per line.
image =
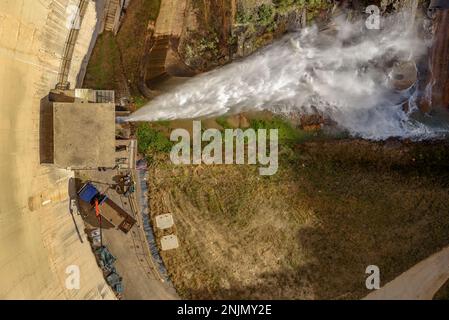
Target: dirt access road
pixel 134 263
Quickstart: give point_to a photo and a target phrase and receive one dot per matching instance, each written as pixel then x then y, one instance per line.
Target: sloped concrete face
pixel 41 243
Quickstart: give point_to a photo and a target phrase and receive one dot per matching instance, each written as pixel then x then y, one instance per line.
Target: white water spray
pixel 342 74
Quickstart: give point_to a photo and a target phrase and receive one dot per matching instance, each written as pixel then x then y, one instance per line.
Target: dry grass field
pixel 310 231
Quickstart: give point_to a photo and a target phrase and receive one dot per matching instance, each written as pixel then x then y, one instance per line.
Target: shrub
pixel 265 14
pixel 150 140
pixel 287 133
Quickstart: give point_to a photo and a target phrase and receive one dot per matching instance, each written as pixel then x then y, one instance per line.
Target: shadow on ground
pixel 46 152
pixel 372 204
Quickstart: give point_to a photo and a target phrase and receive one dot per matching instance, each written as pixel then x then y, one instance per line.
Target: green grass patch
pixel 264 15
pixel 151 140
pixel 139 101
pixel 223 122
pixel 286 132
pixel 104 64
pixel 309 4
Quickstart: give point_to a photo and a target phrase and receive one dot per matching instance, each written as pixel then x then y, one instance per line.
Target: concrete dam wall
pixel 40 240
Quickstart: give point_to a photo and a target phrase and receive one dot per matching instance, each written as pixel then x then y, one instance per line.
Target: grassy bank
pixel 104 65
pixel 310 231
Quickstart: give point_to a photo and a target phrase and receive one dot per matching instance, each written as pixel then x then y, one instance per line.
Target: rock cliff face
pixel 439 81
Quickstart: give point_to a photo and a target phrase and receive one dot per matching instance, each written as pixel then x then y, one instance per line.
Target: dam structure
pixel 41 242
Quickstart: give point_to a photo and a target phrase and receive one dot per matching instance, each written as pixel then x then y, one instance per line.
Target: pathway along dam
pixel 39 238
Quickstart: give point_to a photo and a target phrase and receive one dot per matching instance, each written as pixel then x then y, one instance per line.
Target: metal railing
pixel 69 46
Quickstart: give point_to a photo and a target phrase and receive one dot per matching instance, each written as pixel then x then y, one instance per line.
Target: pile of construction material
pixel 106 262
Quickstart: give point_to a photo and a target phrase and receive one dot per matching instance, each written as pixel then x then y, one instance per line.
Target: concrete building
pixel 84 135
pixel 80 115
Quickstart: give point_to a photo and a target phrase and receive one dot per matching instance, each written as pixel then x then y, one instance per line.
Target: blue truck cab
pixel 89 193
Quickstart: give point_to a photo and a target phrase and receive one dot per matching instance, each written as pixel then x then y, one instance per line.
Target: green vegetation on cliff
pixel 151 140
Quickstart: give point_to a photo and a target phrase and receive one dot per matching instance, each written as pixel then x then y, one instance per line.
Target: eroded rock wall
pixel 439 83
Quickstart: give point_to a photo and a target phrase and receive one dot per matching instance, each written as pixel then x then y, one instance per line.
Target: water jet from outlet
pixel 346 73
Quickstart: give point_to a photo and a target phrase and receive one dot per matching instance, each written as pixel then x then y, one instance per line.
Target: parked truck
pixel 108 209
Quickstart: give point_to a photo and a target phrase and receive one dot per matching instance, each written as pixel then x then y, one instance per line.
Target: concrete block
pixel 164 221
pixel 169 242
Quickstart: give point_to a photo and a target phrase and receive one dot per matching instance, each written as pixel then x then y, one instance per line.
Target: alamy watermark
pixel 373 280
pixel 255 142
pixel 373 20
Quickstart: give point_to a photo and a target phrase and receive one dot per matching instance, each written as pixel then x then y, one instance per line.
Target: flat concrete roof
pixel 84 135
